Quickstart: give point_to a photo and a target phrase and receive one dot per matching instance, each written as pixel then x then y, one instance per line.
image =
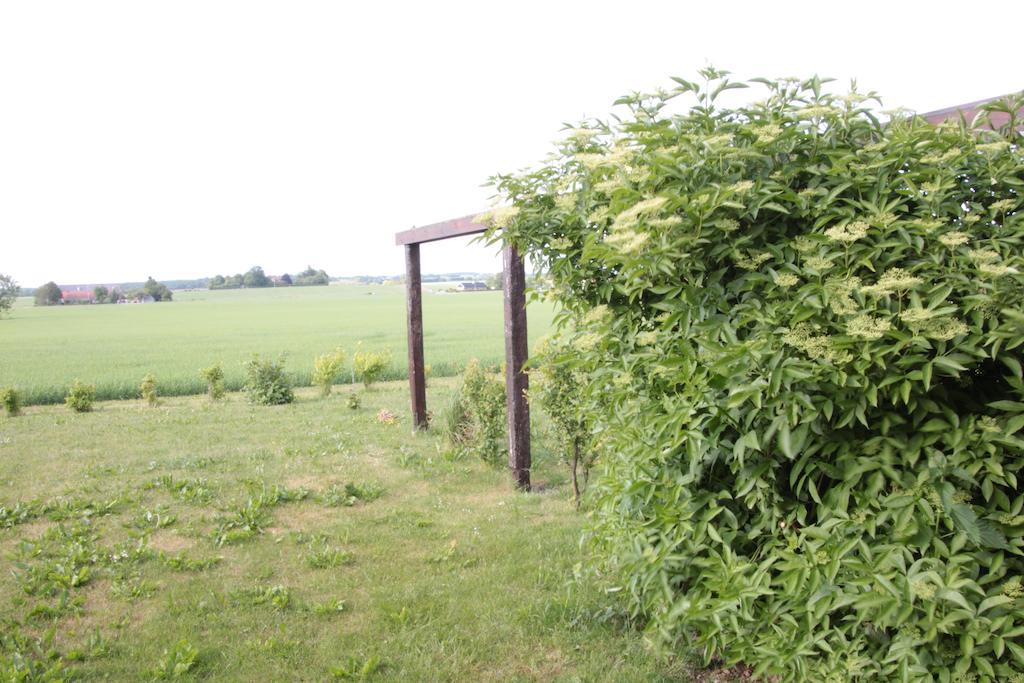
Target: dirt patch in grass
pixel 307 517
pixel 170 542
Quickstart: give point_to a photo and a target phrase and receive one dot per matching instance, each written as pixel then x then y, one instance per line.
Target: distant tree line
pixel 255 277
pixel 51 294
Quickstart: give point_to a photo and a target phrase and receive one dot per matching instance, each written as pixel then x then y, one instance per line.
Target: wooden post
pixel 516 379
pixel 414 307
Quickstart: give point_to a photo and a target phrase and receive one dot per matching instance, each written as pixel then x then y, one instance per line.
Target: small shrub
pixel 353 401
pixel 11 400
pixel 80 397
pixel 214 378
pixel 558 387
pixel 326 369
pixel 370 366
pixel 483 394
pixel 268 384
pixel 148 390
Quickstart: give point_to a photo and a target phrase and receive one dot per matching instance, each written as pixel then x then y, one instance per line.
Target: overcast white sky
pixel 183 139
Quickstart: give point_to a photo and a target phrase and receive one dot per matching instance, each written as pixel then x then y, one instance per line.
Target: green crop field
pixel 113 347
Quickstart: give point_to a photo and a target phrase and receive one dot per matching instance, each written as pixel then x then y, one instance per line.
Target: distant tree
pixel 233 281
pixel 100 294
pixel 49 294
pixel 217 282
pixel 286 279
pixel 8 293
pixel 115 296
pixel 496 281
pixel 158 291
pixel 256 278
pixel 311 276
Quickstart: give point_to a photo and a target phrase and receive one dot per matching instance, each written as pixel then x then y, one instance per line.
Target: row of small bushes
pixel 177 385
pixel 267 382
pixel 799 328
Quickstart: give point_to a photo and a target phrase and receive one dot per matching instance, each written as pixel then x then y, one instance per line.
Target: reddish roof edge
pixel 969 110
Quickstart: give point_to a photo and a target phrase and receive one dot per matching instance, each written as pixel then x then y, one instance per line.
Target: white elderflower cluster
pixel 815 112
pixel 591 162
pixel 645 207
pixel 598 314
pixel 848 233
pixel 993 148
pixel 819 263
pixel 667 222
pixel 868 327
pixel 943 158
pixel 499 216
pixel 720 140
pixel 768 133
pixel 627 241
pixel 647 339
pixel 954 239
pixel 786 280
pixel 743 186
pixel 727 225
pixel 752 261
pixel 925 322
pixel 609 186
pixel 892 280
pixel 816 346
pixel 840 294
pixel 1003 206
pixel 588 341
pixel 885 219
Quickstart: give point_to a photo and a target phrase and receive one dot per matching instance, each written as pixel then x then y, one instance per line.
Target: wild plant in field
pixel 214 378
pixel 353 401
pixel 148 390
pixel 356 669
pixel 326 369
pixel 11 401
pixel 328 608
pixel 349 494
pixel 183 562
pixel 278 597
pixel 268 384
pixel 323 556
pixel 176 661
pixel 29 658
pixel 80 396
pixel 477 424
pixel 370 366
pixel 386 417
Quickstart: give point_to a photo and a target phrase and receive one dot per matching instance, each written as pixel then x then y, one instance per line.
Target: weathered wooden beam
pixel 414 309
pixel 456 227
pixel 517 381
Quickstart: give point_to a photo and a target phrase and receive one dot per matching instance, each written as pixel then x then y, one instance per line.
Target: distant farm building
pixel 76 296
pixel 472 287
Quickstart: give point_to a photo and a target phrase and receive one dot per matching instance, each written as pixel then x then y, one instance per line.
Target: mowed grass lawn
pixel 114 347
pixel 306 542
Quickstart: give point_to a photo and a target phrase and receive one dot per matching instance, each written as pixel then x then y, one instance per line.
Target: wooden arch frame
pixel 516 350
